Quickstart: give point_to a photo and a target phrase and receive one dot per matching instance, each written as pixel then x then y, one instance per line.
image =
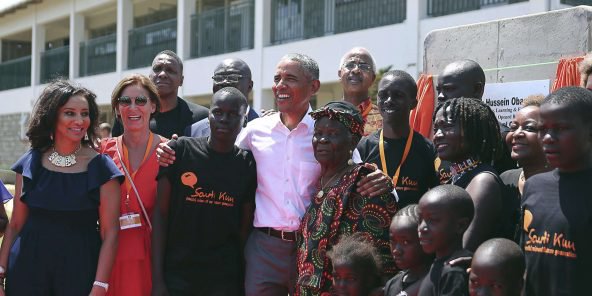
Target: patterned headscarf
pixel 344 112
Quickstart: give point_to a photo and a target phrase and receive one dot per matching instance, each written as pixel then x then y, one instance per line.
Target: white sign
pixel 505 99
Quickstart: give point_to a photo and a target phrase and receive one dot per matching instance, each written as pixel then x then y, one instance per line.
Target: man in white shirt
pixel 287 174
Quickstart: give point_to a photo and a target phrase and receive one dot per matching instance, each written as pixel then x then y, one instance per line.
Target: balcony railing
pixel 98 55
pixel 223 30
pixel 55 63
pixel 577 2
pixel 446 7
pixel 303 19
pixel 145 42
pixel 15 73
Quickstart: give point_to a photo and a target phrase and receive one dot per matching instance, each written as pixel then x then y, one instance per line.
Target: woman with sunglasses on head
pixel 134 101
pixel 63 187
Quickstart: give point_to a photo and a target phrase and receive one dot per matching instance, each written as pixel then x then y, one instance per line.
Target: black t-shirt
pixel 557 233
pixel 417 174
pixel 171 122
pixel 208 190
pixel 511 192
pixel 397 286
pixel 446 280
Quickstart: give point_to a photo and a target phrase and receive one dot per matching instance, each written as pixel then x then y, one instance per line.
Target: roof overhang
pixel 10 6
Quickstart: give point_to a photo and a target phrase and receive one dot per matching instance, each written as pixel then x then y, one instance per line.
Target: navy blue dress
pixel 60 241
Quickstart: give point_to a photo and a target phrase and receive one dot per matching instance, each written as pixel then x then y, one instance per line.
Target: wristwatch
pixel 102 285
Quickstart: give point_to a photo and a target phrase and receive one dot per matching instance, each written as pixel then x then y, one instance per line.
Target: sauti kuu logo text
pixel 212 197
pixel 554 244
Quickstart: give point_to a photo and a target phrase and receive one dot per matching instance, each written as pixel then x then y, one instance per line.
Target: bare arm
pixel 20 212
pixel 486 195
pixel 159 233
pixel 108 219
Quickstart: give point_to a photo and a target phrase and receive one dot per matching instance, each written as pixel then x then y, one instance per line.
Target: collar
pixel 306 120
pixel 365 107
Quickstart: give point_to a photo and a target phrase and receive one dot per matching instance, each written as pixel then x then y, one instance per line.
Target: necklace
pixel 460 168
pixel 321 192
pixel 63 160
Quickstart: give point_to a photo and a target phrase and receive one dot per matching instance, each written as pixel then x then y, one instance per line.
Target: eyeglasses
pixel 230 78
pixel 362 66
pixel 127 101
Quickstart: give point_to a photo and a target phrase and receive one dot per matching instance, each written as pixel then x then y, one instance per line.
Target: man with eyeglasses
pixel 231 72
pixel 356 74
pixel 175 113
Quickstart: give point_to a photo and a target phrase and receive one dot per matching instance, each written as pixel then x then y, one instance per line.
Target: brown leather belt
pixel 289 236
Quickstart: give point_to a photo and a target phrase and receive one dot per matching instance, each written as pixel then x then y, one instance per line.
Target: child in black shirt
pixel 445 211
pixel 205 206
pixel 497 269
pixel 408 254
pixel 557 205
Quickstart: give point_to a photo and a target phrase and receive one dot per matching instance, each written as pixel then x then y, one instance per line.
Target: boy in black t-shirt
pixel 497 269
pixel 408 155
pixel 205 207
pixel 557 205
pixel 445 211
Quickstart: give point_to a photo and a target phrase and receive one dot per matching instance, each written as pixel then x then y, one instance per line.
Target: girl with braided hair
pixel 467 135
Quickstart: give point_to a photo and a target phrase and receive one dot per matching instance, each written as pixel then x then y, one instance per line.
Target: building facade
pixel 97 42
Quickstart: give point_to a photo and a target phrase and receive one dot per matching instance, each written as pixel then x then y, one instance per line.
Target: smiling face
pixel 438 229
pixel 356 73
pixel 134 116
pixel 448 139
pixel 566 138
pixel 523 136
pixel 73 120
pixel 405 246
pixel 395 99
pixel 167 75
pixel 293 87
pixel 331 142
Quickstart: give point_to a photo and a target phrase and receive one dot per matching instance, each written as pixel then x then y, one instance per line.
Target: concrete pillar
pixel 125 18
pixel 261 38
pixel 185 8
pixel 77 28
pixel 37 47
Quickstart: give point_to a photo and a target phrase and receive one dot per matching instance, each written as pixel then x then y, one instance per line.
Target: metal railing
pixel 302 19
pixel 576 2
pixel 223 30
pixel 446 7
pixel 55 63
pixel 145 42
pixel 98 55
pixel 15 73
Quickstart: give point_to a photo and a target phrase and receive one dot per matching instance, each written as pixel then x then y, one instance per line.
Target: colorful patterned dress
pixel 341 211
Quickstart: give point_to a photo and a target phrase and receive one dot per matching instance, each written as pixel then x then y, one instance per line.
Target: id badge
pixel 129 220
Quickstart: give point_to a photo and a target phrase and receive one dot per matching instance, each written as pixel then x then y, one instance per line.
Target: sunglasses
pixel 363 66
pixel 127 101
pixel 230 78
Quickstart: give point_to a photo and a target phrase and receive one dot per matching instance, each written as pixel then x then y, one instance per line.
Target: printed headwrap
pixel 344 112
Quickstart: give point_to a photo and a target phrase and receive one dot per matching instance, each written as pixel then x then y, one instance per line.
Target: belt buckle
pixel 285 239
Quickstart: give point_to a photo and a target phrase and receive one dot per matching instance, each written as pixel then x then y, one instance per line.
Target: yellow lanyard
pixel 405 153
pixel 127 163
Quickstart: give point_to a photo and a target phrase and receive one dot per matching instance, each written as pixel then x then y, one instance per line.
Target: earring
pixel 51 136
pixel 86 137
pixel 350 161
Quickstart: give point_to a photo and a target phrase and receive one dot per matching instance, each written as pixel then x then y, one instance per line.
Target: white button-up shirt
pixel 287 171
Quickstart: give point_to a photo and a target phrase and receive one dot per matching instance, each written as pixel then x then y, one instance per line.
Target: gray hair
pixel 309 65
pixel 358 50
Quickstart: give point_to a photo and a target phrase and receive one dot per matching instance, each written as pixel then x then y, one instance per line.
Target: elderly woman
pixel 63 187
pixel 134 101
pixel 337 209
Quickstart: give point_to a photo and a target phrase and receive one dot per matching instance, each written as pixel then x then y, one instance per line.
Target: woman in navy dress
pixel 63 188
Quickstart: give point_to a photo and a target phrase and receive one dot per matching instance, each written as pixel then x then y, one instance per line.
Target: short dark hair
pixel 309 65
pixel 577 98
pixel 173 55
pixel 136 79
pixel 585 68
pixel 411 211
pixel 456 200
pixel 506 255
pixel 409 81
pixel 358 251
pixel 234 92
pixel 479 126
pixel 45 113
